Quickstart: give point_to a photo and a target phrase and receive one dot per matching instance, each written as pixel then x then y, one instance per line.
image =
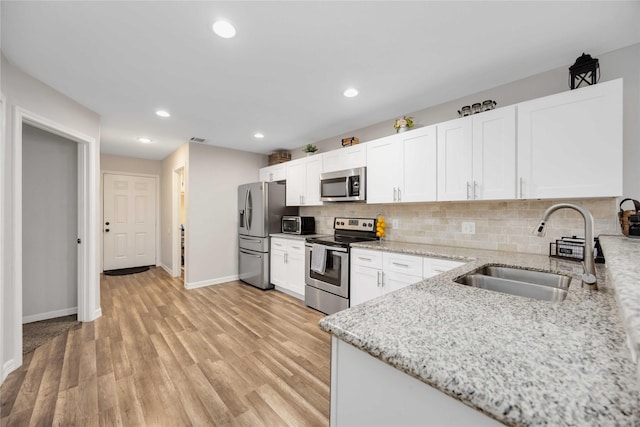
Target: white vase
pixel 309 153
pixel 403 129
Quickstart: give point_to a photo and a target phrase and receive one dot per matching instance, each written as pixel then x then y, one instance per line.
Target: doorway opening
pixel 85 235
pixel 179 223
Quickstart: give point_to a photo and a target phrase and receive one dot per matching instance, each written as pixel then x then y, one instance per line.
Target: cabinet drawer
pixel 400 263
pixel 434 266
pixel 296 246
pixel 278 244
pixel 366 258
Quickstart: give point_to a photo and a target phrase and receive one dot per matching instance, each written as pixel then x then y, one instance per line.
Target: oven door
pixel 335 279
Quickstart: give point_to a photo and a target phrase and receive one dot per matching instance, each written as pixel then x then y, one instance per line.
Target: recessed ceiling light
pixel 144 140
pixel 350 93
pixel 258 135
pixel 224 29
pixel 163 113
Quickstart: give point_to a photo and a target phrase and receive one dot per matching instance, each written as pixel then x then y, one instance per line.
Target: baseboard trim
pixel 97 313
pixel 8 367
pixel 210 282
pixel 168 270
pixel 290 293
pixel 49 315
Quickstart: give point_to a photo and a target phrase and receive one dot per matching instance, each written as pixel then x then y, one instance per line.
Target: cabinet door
pixel 420 161
pixel 333 160
pixel 295 268
pixel 455 159
pixel 265 174
pixel 384 169
pixel 296 182
pixel 570 144
pixel 365 284
pixel 355 156
pixel 278 268
pixel 313 168
pixel 392 281
pixel 494 154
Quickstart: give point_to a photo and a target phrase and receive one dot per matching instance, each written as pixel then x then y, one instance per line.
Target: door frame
pixel 175 222
pixel 88 276
pixel 3 135
pixel 146 175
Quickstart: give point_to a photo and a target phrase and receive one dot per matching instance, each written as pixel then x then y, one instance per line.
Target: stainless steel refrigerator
pixel 261 206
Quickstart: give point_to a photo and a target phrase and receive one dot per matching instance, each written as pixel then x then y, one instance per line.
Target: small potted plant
pixel 310 149
pixel 403 124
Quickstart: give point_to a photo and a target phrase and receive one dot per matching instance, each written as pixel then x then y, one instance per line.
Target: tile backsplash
pixel 499 225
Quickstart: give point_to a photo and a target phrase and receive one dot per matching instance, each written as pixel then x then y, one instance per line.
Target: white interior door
pixel 129 221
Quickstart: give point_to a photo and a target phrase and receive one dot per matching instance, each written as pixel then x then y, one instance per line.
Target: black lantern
pixel 586 69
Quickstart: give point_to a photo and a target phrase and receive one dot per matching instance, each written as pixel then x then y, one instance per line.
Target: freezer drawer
pixel 254 268
pixel 255 244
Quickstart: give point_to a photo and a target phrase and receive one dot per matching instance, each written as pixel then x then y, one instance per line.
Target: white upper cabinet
pixel 477 156
pixel 494 154
pixel 303 181
pixel 274 173
pixel 570 144
pixel 402 167
pixel 455 144
pixel 384 174
pixel 345 158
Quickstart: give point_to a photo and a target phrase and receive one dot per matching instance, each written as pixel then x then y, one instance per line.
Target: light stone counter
pixel 521 361
pixel 623 269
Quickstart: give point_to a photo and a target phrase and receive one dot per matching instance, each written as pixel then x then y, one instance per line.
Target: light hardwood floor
pixel 228 354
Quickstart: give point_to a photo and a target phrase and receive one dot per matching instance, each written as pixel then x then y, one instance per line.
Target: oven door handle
pixel 330 248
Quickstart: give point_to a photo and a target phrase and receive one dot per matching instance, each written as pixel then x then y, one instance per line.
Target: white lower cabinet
pixel 287 266
pixel 375 273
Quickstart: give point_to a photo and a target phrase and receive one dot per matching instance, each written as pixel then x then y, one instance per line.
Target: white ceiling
pixel 285 71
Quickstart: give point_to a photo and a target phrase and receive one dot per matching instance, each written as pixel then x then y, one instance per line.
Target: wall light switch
pixel 394 224
pixel 468 228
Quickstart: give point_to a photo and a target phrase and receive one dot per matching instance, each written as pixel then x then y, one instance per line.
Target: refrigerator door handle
pixel 246 210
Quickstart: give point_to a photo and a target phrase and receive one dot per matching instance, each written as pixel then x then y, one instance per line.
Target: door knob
pixel 106 230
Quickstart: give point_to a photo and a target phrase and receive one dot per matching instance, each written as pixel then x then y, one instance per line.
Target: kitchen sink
pixel 515 281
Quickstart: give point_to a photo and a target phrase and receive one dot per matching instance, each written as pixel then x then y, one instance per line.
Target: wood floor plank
pixel 229 354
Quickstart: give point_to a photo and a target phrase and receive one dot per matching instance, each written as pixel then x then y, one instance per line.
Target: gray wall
pixel 49 225
pixel 22 90
pixel 623 63
pixel 214 175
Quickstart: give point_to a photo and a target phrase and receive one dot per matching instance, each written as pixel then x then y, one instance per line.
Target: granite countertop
pixel 623 267
pixel 519 360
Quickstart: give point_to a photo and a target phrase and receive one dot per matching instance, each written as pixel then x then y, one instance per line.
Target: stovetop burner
pixel 348 231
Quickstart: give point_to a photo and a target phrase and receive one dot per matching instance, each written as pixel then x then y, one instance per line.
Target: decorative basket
pixel 347 142
pixel 279 157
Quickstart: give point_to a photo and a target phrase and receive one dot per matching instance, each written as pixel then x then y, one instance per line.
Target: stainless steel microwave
pixel 292 224
pixel 344 186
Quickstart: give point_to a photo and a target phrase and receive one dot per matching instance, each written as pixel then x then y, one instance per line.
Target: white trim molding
pixel 210 282
pixel 176 186
pixel 49 315
pixel 88 216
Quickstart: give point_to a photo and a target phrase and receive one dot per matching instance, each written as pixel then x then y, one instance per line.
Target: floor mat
pixel 37 333
pixel 125 271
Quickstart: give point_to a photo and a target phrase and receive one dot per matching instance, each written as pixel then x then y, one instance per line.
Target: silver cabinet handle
pixel 400 264
pixel 286 257
pixel 364 259
pixel 475 190
pixel 399 194
pixel 379 273
pixel 468 192
pixel 395 197
pixel 295 247
pixel 382 279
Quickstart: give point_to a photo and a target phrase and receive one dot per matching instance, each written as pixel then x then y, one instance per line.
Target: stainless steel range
pixel 327 263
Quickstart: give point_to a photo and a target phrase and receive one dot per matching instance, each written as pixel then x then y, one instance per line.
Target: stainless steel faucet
pixel 589 277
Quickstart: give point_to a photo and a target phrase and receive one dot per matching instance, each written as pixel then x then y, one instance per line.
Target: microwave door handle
pixel 346 183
